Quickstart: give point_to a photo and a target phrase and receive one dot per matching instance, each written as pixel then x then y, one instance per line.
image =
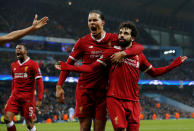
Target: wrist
pixel 58 87
pixel 32 28
pixel 123 53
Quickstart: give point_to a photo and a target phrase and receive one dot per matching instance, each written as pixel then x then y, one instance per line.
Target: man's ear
pixel 103 22
pixel 133 38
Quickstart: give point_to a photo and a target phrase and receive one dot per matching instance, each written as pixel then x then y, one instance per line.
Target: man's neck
pixel 99 36
pixel 22 60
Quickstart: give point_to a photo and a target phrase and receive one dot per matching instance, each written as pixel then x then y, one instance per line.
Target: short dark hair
pixel 23 45
pixel 98 12
pixel 129 25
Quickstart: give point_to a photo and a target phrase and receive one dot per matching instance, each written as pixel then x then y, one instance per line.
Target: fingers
pixel 35 17
pixel 58 67
pixel 183 58
pixel 38 110
pixel 61 99
pixel 44 20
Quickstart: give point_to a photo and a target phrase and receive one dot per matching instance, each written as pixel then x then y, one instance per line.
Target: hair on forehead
pixel 22 44
pixel 98 12
pixel 129 25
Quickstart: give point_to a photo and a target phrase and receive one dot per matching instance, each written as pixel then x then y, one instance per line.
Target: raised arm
pixel 82 69
pixel 37 24
pixel 154 72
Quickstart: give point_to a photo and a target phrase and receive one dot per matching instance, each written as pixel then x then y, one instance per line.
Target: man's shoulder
pixel 32 62
pixel 84 38
pixel 13 64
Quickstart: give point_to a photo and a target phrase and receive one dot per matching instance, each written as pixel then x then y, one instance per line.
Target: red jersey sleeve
pixel 144 64
pixel 75 55
pixel 77 51
pixel 105 57
pixel 135 49
pixel 102 61
pixel 154 72
pixel 37 72
pixel 38 77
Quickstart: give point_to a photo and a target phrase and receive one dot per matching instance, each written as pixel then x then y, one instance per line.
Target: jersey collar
pixel 117 47
pixel 98 40
pixel 24 61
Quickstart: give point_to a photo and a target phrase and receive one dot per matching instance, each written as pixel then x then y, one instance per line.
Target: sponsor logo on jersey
pixel 116 120
pixel 26 69
pixel 20 75
pixel 132 62
pixel 96 54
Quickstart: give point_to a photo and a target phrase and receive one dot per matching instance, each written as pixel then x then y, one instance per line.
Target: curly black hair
pixel 129 25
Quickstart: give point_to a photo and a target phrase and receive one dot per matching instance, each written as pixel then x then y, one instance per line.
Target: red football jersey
pixel 24 75
pixel 89 50
pixel 124 77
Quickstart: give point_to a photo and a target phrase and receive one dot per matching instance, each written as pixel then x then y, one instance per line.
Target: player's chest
pixel 131 62
pixel 94 51
pixel 22 71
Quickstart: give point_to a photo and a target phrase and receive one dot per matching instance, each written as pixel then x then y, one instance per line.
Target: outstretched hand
pixel 179 60
pixel 58 65
pixel 62 65
pixel 37 24
pixel 183 58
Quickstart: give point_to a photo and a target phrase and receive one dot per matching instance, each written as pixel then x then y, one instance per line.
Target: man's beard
pixel 124 43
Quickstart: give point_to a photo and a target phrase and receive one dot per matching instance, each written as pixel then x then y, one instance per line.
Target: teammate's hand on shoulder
pixel 118 57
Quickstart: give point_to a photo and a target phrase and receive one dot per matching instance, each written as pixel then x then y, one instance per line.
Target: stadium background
pixel 166 29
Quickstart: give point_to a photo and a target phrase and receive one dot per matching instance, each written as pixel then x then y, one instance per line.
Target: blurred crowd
pixel 149 106
pixel 47 60
pixel 64 25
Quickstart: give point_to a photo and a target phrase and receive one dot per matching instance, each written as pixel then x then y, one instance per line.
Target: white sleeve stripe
pixel 71 57
pixel 148 68
pixel 38 77
pixel 102 62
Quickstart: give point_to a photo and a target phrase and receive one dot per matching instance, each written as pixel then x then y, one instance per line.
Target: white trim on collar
pixel 24 61
pixel 98 40
pixel 117 47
